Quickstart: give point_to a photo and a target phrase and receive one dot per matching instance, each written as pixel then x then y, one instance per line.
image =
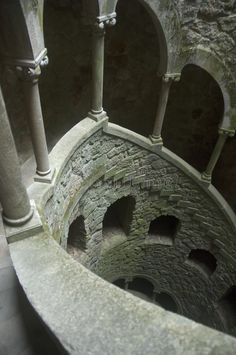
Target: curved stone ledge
pixel 90 316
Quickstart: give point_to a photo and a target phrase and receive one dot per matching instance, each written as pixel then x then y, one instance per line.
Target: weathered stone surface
pixel 159 187
pixel 90 316
pixel 132 100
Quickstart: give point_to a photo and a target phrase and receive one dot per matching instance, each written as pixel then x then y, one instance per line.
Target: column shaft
pixel 223 135
pixel 167 80
pixel 13 195
pixel 98 69
pixel 36 125
pixel 161 109
pixel 29 78
pixel 96 111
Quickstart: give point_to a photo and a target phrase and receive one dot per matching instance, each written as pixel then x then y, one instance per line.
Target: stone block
pixel 156 187
pixel 207 225
pixel 109 173
pixel 138 179
pixel 29 229
pixel 191 210
pixel 162 204
pixel 147 184
pixel 88 209
pixel 119 174
pixel 175 197
pixel 129 176
pixel 166 193
pixel 213 234
pixel 184 204
pixel 200 218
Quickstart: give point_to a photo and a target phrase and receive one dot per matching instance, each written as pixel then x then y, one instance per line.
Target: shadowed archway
pixel 194 113
pixel 132 59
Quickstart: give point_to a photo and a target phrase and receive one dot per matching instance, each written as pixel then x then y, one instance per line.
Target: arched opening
pixel 119 283
pixel 77 236
pixel 132 59
pixel 227 308
pixel 163 229
pixel 118 217
pixel 202 260
pixel 194 112
pixel 144 289
pixel 65 82
pixel 166 301
pixel 141 287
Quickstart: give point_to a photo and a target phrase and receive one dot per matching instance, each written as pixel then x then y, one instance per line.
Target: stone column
pixel 167 80
pixel 13 195
pixel 223 135
pixel 29 78
pixel 126 284
pixel 97 112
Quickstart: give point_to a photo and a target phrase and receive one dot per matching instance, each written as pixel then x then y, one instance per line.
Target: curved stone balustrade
pixel 84 312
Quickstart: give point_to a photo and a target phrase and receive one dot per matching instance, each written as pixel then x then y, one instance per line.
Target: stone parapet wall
pixel 111 163
pixel 90 316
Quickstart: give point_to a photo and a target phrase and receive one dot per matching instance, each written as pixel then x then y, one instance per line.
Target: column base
pixel 97 116
pixel 47 179
pixel 43 173
pixel 33 226
pixel 20 221
pixel 157 140
pixel 206 178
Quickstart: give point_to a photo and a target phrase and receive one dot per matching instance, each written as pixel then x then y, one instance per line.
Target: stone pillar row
pixel 13 195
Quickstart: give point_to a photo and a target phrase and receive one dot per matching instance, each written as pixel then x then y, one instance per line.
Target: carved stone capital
pixel 99 26
pixel 99 29
pixel 171 77
pixel 28 73
pixel 227 132
pixel 44 62
pixel 110 22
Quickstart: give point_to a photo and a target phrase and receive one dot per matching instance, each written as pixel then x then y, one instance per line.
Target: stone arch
pixel 167 301
pixel 132 58
pixel 202 260
pixel 141 285
pixel 194 113
pixel 112 278
pixel 65 87
pixel 163 229
pixel 168 27
pixel 146 287
pixel 163 65
pixel 209 62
